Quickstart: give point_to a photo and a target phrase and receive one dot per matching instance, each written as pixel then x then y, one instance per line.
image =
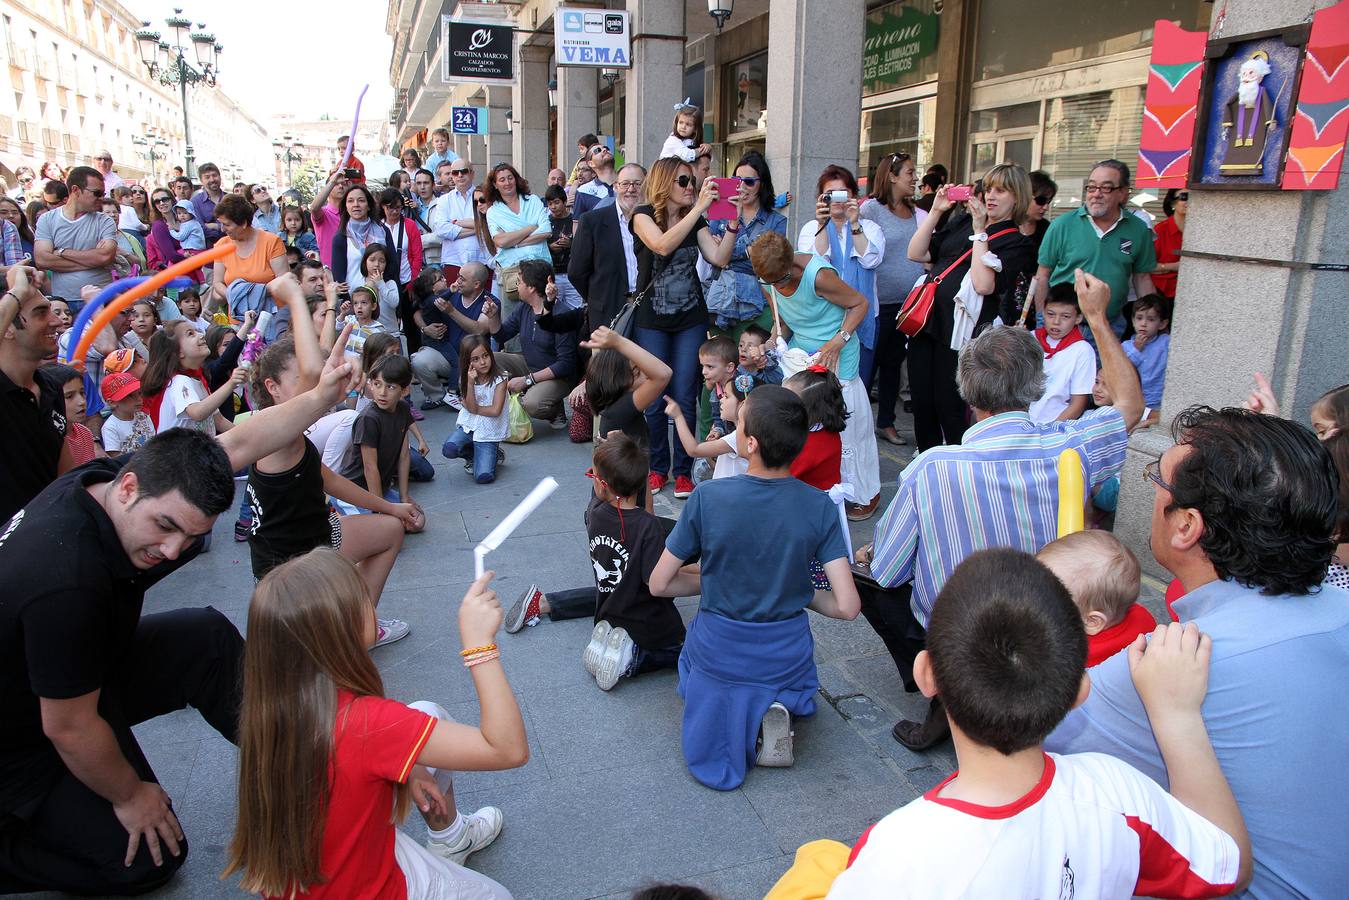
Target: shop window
pixel 1081 131
pixel 694 87
pixel 901 46
pixel 746 94
pixel 906 128
pixel 1025 35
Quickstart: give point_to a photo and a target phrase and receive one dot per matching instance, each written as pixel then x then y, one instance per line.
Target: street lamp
pixel 552 92
pixel 609 76
pixel 721 11
pixel 151 144
pixel 286 151
pixel 168 63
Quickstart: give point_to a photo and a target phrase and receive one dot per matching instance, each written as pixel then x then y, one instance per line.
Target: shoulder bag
pixel 913 315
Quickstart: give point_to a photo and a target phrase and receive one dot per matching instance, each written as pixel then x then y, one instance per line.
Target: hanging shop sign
pixel 895 44
pixel 476 52
pixel 592 37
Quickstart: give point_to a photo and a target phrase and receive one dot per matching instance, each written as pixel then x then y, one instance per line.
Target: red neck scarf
pixel 1069 339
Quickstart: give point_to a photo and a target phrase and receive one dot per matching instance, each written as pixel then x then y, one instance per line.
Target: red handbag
pixel 917 306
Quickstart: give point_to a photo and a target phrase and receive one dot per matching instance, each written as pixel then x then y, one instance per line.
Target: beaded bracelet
pixel 473 651
pixel 479 660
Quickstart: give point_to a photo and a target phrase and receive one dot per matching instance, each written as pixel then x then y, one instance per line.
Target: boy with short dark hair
pixel 748 657
pixel 379 456
pixel 1043 825
pixel 1070 361
pixel 718 357
pixel 758 363
pixel 1103 577
pixel 1150 345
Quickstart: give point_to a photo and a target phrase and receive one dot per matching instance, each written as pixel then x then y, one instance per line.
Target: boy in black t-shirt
pixel 378 457
pixel 635 631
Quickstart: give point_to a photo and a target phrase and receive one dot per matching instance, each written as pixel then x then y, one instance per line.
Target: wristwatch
pixel 845 334
pixel 61 252
pixel 979 236
pixel 529 380
pixel 857 229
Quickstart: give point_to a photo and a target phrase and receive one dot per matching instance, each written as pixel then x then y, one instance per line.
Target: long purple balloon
pixel 351 139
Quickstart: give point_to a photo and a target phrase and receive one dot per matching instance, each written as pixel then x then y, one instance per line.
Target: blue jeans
pixel 679 351
pixel 461 445
pixel 419 467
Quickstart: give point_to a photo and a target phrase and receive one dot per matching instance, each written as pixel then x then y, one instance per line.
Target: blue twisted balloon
pixel 111 292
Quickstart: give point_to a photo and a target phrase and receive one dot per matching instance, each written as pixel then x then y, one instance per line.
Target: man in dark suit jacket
pixel 603 268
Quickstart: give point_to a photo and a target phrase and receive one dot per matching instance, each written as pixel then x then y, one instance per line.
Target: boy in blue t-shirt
pixel 749 655
pixel 1150 346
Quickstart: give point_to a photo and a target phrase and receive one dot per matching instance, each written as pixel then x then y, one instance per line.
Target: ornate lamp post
pixel 168 63
pixel 287 150
pixel 152 145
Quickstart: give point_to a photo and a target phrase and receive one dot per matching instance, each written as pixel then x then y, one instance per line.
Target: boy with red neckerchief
pixel 1070 360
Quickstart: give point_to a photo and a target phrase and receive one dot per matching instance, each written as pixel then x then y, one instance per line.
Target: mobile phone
pixel 351 173
pixel 838 197
pixel 959 192
pixel 723 208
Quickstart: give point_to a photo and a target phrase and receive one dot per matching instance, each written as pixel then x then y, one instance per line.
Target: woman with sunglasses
pixel 1169 233
pixel 890 205
pixel 1034 225
pixel 757 216
pixel 161 249
pixel 669 234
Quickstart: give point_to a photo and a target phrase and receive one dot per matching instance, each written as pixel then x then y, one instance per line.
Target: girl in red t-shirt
pixel 324 758
pixel 820 461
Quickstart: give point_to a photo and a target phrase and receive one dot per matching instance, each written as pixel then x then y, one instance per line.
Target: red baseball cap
pixel 119 386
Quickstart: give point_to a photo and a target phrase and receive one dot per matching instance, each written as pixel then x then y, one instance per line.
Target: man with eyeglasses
pixel 110 178
pixel 268 214
pixel 603 264
pixel 600 189
pixel 1103 239
pixel 77 242
pixel 452 219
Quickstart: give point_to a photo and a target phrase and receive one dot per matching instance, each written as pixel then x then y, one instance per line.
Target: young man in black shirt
pixel 80 809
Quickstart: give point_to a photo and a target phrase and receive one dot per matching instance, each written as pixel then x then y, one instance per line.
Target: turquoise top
pixel 814 320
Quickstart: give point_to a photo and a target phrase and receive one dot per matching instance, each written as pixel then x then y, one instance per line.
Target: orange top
pixel 257 266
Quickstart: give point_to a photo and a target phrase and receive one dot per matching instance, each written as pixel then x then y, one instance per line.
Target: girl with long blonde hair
pixel 328 766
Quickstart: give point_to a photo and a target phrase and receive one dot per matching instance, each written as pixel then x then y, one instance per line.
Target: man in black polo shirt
pixel 33 413
pixel 80 809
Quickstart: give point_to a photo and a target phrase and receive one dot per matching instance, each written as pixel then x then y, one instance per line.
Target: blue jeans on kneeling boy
pixel 461 445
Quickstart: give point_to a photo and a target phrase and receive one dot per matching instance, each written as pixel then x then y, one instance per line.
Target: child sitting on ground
pixel 1150 345
pixel 1046 825
pixel 128 427
pixel 621 381
pixel 758 362
pixel 635 630
pixel 1102 575
pixel 749 656
pixel 484 421
pixel 329 766
pixel 379 455
pixel 189 234
pixel 1070 361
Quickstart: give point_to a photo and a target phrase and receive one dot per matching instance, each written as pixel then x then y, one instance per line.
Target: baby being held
pixel 1104 579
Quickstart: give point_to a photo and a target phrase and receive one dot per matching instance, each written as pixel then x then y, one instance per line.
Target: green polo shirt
pixel 1071 243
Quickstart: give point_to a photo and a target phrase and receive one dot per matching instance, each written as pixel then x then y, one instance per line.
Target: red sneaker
pixel 655 481
pixel 683 487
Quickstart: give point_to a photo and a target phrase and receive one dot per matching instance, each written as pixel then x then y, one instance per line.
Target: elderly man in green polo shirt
pixel 1103 239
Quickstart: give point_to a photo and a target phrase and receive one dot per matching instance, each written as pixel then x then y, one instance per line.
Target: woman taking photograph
pixel 356 231
pixel 757 216
pixel 671 322
pixel 983 249
pixel 255 258
pixel 518 223
pixel 890 207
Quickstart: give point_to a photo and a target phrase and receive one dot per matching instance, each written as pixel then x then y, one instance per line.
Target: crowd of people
pixel 669 318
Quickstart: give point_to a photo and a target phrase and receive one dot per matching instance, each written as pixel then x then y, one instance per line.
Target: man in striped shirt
pixel 998 488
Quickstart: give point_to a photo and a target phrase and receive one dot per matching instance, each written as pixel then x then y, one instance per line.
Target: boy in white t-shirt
pixel 1070 361
pixel 729 460
pixel 128 427
pixel 1006 653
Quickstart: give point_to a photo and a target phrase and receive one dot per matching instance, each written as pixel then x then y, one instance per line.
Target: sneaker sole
pixel 612 663
pixel 515 616
pixel 591 657
pixel 461 857
pixel 777 738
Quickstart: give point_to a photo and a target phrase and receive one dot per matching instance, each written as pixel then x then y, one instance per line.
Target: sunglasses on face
pixel 98 193
pixel 159 200
pixel 480 200
pixel 460 171
pixel 1044 199
pixel 596 151
pixel 752 181
pixel 684 180
pixel 1183 195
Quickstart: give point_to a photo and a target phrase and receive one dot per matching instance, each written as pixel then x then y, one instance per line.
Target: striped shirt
pixel 999 488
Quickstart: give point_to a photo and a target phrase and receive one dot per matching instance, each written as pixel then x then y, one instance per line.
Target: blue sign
pixel 468 120
pixel 592 37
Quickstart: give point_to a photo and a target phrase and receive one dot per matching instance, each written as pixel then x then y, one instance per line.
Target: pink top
pixel 326 223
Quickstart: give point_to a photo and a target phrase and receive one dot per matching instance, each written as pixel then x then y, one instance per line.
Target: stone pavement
pixel 605 804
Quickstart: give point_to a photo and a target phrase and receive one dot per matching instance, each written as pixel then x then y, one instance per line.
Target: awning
pixel 417 140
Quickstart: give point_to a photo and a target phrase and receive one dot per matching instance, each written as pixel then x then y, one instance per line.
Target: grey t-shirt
pixel 896 273
pixel 85 233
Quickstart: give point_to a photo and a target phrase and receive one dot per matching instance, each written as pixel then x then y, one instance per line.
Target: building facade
pixel 78 86
pixel 1049 84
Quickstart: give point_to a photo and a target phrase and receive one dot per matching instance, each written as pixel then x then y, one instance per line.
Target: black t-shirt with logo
pixel 33 430
pixel 66 626
pixel 290 512
pixel 624 553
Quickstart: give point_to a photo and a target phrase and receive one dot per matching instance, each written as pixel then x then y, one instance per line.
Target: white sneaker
pixel 591 657
pixel 391 630
pixel 616 659
pixel 775 743
pixel 480 829
pixel 452 400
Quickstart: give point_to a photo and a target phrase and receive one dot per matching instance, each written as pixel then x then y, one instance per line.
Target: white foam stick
pixel 499 534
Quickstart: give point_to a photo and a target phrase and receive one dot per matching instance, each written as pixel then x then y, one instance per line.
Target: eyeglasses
pixel 1044 199
pixel 786 277
pixel 98 193
pixel 684 180
pixel 897 161
pixel 103 158
pixel 1183 195
pixel 480 200
pixel 597 150
pixel 1153 472
pixel 460 171
pixel 626 185
pixel 1101 188
pixel 159 200
pixel 752 181
pixel 259 190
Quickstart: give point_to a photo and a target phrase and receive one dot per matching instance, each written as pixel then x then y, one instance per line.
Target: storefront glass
pixel 1084 129
pixel 747 95
pixel 905 128
pixel 1025 35
pixel 901 46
